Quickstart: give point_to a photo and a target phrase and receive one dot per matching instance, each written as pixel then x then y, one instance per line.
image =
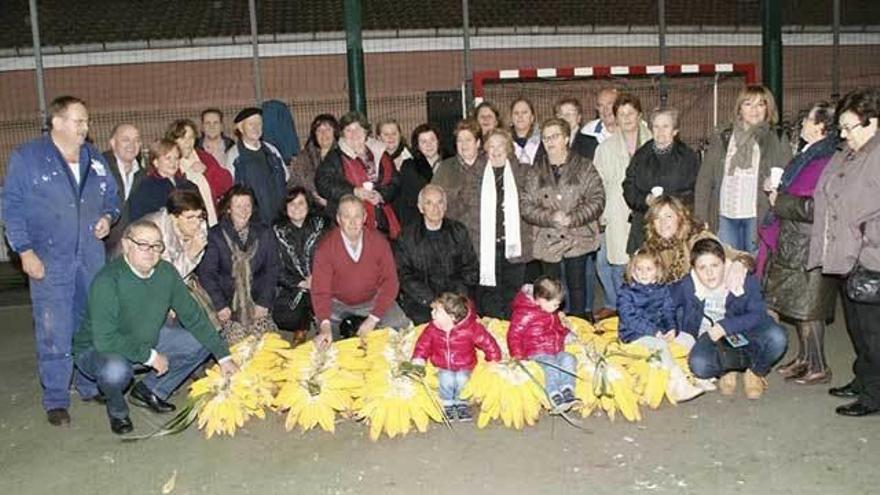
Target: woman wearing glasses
pixel 845 240
pixel 563 199
pixel 240 268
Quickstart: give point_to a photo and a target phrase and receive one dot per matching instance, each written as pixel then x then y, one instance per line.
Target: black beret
pixel 247 112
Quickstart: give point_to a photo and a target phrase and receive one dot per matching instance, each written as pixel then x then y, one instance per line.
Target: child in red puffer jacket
pixel 449 342
pixel 537 333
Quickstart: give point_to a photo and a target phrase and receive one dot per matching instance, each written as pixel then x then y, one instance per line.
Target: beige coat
pixel 611 161
pixel 578 193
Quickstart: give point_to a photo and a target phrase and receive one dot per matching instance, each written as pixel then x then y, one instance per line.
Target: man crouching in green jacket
pixel 125 330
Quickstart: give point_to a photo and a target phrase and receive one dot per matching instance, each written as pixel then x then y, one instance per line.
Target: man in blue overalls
pixel 59 201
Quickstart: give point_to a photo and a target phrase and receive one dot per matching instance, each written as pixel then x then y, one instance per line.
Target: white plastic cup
pixel 368 186
pixel 657 191
pixel 776 176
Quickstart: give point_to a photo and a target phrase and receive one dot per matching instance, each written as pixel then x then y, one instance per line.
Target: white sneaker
pixel 705 384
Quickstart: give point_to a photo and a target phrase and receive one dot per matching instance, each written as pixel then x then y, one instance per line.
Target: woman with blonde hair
pixel 729 192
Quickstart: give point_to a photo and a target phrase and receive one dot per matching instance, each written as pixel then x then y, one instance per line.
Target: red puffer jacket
pixel 532 330
pixel 454 350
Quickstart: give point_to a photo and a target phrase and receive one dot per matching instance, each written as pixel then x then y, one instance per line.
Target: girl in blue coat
pixel 647 317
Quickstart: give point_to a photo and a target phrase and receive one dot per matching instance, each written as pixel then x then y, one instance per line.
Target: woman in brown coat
pixel 563 198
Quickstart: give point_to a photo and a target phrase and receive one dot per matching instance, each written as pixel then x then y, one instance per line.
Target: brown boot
pixel 754 385
pixel 727 383
pixel 299 337
pixel 604 314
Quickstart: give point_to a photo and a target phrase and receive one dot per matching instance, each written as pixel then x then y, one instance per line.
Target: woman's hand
pixel 716 332
pixel 561 219
pixel 771 197
pixel 195 246
pixel 260 312
pixel 224 314
pixel 735 277
pixel 306 284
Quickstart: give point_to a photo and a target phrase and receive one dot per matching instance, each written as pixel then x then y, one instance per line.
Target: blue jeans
pixel 450 385
pixel 112 373
pixel 766 345
pixel 610 276
pixel 58 305
pixel 739 233
pixel 556 380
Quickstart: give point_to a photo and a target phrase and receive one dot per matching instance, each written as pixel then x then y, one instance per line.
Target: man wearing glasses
pixel 125 329
pixel 59 201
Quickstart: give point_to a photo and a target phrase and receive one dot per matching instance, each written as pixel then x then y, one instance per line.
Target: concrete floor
pixel 790 441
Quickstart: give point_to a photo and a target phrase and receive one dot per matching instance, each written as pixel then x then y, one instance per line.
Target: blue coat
pixel 742 313
pixel 644 310
pixel 45 210
pixel 269 185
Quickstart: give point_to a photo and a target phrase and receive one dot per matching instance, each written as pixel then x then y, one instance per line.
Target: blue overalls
pixel 47 211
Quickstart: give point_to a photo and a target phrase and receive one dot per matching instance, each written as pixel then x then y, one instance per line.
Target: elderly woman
pixel 417 172
pixel 323 134
pixel 662 166
pixel 240 266
pixel 389 132
pixel 563 199
pixel 526 135
pixel 200 167
pixel 163 177
pixel 502 240
pixel 361 167
pixel 488 116
pixel 458 174
pixel 297 234
pixel 805 296
pixel 613 157
pixel 845 241
pixel 729 191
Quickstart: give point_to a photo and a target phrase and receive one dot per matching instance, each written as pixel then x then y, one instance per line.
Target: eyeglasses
pixel 851 127
pixel 551 137
pixel 146 247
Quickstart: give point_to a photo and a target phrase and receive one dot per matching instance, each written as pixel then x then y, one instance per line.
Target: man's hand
pixel 228 367
pixel 325 335
pixel 224 314
pixel 260 312
pixel 716 333
pixel 102 227
pixel 367 326
pixel 32 265
pixel 160 364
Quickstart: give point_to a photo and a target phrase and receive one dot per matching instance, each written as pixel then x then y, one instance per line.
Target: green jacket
pixel 125 312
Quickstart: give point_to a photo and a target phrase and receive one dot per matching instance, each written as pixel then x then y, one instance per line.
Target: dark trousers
pixel 863 325
pixel 766 345
pixel 575 281
pixel 297 317
pixel 509 278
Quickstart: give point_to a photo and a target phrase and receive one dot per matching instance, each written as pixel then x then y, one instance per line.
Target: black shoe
pixel 142 397
pixel 857 409
pixel 568 396
pixel 559 404
pixel 58 417
pixel 464 412
pixel 847 391
pixel 451 413
pixel 121 426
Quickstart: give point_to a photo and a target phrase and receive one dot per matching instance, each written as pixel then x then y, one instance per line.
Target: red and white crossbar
pixel 607 71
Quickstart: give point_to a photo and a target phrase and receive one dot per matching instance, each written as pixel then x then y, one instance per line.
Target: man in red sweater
pixel 354 275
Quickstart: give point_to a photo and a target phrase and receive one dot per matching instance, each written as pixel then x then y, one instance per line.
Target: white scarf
pixel 513 243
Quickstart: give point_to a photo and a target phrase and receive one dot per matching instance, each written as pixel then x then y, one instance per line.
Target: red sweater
pixel 336 276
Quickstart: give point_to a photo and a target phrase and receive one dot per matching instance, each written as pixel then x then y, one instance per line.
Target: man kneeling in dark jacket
pixel 434 256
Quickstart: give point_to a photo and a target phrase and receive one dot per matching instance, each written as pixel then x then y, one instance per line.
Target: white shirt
pixel 74 169
pixel 127 178
pixel 354 250
pixel 739 192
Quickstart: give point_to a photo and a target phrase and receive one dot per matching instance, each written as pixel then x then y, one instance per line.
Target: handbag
pixel 862 284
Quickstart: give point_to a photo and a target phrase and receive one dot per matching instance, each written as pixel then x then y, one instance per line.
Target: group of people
pixel 208 239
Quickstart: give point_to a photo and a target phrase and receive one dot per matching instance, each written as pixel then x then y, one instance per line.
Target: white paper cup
pixel 368 186
pixel 657 191
pixel 776 176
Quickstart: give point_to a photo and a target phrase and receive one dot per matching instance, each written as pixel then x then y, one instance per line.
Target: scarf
pixel 242 300
pixel 360 169
pixel 745 142
pixel 797 180
pixel 675 256
pixel 512 239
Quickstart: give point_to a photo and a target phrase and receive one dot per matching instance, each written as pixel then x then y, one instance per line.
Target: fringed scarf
pixel 242 300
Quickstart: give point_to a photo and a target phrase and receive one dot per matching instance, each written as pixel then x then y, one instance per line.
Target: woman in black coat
pixel 297 233
pixel 417 172
pixel 662 166
pixel 162 178
pixel 240 267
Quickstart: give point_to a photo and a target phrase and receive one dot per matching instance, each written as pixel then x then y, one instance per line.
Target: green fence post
pixel 354 48
pixel 771 48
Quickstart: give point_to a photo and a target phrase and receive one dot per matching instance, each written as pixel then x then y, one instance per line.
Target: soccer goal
pixel 705 94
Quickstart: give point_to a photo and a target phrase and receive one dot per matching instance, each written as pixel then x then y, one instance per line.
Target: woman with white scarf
pixel 504 241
